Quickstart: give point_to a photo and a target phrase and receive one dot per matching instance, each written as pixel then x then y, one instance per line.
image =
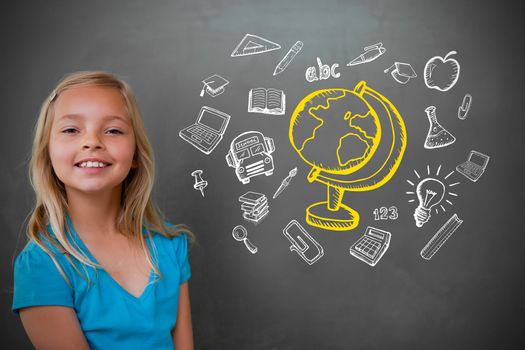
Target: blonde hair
pixel 137 208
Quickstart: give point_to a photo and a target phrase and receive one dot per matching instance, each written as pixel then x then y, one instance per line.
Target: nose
pixel 92 142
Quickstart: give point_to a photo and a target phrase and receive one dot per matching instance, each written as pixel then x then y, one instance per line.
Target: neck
pixel 94 215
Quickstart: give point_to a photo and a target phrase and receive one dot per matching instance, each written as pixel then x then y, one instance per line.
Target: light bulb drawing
pixel 429 192
pixel 432 192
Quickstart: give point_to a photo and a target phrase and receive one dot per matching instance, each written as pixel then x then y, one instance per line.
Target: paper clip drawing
pixel 266 101
pixel 214 85
pixel 253 44
pixel 299 238
pixel 254 206
pixel 199 184
pixel 437 135
pixel 285 182
pixel 441 73
pixel 402 73
pixel 294 50
pixel 241 234
pixel 432 192
pixel 207 131
pixel 465 106
pixel 251 155
pixel 441 236
pixel 371 247
pixel 475 166
pixel 353 140
pixel 371 53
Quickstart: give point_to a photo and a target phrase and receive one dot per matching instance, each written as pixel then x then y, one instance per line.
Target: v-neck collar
pixel 76 237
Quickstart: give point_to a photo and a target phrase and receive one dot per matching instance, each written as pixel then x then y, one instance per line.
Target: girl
pixel 101 269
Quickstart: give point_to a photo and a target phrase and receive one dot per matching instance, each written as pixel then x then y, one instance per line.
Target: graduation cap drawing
pixel 402 72
pixel 214 85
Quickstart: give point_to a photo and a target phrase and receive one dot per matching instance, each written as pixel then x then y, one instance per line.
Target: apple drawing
pixel 441 73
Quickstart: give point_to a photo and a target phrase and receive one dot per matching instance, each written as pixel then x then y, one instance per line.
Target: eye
pixel 115 131
pixel 69 131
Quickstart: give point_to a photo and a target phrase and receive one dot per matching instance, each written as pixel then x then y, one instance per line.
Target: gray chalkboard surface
pixel 466 295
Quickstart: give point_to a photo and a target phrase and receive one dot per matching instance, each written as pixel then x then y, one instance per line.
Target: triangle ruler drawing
pixel 253 44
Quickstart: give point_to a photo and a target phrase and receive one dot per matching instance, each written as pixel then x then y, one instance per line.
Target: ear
pixel 134 164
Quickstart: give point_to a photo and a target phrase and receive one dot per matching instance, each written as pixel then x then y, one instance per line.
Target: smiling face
pixel 92 142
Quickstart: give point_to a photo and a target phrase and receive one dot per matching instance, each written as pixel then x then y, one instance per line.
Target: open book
pixel 267 101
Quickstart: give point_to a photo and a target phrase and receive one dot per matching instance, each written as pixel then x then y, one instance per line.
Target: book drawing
pixel 266 101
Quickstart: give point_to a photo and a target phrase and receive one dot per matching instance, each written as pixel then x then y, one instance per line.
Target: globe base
pixel 342 219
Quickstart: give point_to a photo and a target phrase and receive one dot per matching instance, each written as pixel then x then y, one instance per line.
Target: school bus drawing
pixel 251 155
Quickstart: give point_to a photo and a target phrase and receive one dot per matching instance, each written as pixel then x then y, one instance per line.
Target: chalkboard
pixel 466 294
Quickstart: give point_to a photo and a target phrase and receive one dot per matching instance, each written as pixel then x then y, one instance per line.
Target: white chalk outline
pixel 196 133
pixel 472 170
pixel 325 72
pixel 430 66
pixel 213 92
pixel 465 106
pixel 260 100
pixel 248 145
pixel 374 239
pixel 240 233
pixel 285 182
pixel 199 184
pixel 372 52
pixel 252 45
pixel 435 126
pixel 401 78
pixel 294 50
pixel 440 237
pixel 254 209
pixel 300 245
pixel 444 200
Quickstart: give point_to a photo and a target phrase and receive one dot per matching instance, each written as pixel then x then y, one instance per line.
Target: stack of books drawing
pixel 254 205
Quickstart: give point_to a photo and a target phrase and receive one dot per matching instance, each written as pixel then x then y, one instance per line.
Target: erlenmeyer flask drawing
pixel 437 136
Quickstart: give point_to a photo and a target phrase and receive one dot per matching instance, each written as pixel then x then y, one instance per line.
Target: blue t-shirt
pixel 110 317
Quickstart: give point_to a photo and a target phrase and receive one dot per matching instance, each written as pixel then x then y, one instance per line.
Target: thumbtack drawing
pixel 200 184
pixel 241 234
pixel 285 182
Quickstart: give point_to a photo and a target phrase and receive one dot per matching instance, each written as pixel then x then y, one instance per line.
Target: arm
pixel 53 327
pixel 182 333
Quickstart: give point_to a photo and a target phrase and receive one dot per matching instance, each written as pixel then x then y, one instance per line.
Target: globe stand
pixel 333 214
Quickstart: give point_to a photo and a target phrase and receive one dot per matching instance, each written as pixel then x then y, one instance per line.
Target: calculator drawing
pixel 371 246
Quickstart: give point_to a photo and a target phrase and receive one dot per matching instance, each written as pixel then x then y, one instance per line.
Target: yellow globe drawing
pixel 354 140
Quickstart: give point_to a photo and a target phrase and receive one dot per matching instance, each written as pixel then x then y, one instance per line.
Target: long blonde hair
pixel 51 207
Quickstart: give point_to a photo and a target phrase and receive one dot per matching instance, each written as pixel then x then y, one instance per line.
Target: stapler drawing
pixel 298 236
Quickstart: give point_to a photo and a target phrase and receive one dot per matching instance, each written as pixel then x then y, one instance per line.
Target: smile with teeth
pixel 92 165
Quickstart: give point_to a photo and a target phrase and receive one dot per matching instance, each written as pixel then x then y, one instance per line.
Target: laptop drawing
pixel 474 167
pixel 207 131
